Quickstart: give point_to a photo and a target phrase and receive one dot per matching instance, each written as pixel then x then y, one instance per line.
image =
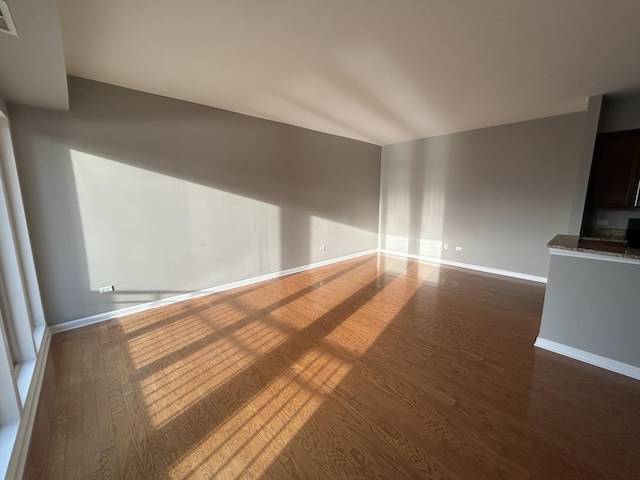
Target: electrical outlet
pixel 446 246
pixel 107 289
pixel 458 249
pixel 323 247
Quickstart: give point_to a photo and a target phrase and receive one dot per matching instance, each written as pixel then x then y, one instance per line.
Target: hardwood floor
pixel 377 367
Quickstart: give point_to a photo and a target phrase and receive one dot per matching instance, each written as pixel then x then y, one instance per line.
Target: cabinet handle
pixel 635 202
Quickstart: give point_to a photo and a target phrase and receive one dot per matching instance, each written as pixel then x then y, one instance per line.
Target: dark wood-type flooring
pixel 376 367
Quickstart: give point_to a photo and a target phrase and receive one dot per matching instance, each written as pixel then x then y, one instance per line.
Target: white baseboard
pixel 590 358
pixel 102 317
pixel 468 266
pixel 23 438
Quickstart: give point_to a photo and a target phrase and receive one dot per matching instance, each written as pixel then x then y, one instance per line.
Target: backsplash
pixel 610 219
pixel 604 232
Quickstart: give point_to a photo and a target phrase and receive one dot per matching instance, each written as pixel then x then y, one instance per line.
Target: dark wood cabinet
pixel 615 171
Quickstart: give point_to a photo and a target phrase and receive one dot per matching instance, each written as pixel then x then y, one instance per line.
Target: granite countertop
pixel 593 245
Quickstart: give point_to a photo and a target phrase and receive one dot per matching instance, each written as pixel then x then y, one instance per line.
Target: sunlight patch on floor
pixel 267 423
pixel 176 387
pixel 257 434
pixel 369 322
pixel 160 343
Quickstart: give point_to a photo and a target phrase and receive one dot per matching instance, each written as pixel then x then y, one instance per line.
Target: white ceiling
pixel 382 71
pixel 32 69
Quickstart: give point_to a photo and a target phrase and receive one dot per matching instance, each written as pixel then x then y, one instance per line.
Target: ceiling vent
pixel 6 22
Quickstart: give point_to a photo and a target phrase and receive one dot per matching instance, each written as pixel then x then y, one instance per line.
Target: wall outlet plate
pixel 107 289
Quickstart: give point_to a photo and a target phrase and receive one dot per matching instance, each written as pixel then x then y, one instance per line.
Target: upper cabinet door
pixel 615 171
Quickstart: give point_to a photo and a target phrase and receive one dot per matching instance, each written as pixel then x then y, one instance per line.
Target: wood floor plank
pixel 57 450
pixel 103 416
pixel 75 435
pixel 89 412
pixel 378 367
pixel 108 466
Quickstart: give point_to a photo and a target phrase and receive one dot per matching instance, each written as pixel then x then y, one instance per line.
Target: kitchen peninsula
pixel 592 304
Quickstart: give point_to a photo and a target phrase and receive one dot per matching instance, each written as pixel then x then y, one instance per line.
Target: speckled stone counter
pixel 574 243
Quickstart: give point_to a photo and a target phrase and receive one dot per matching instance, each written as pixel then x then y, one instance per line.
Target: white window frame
pixel 22 324
pixel 12 339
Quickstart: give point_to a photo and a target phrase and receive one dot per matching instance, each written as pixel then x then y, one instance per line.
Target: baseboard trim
pixel 590 358
pixel 103 317
pixel 18 458
pixel 468 266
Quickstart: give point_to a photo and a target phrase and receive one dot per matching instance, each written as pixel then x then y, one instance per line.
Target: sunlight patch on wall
pixel 431 226
pixel 397 243
pixel 430 248
pixel 415 223
pixel 396 209
pixel 147 232
pixel 413 198
pixel 325 232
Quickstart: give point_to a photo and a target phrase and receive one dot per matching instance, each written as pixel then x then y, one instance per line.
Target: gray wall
pixel 592 122
pixel 500 193
pixel 593 305
pixel 161 197
pixel 620 113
